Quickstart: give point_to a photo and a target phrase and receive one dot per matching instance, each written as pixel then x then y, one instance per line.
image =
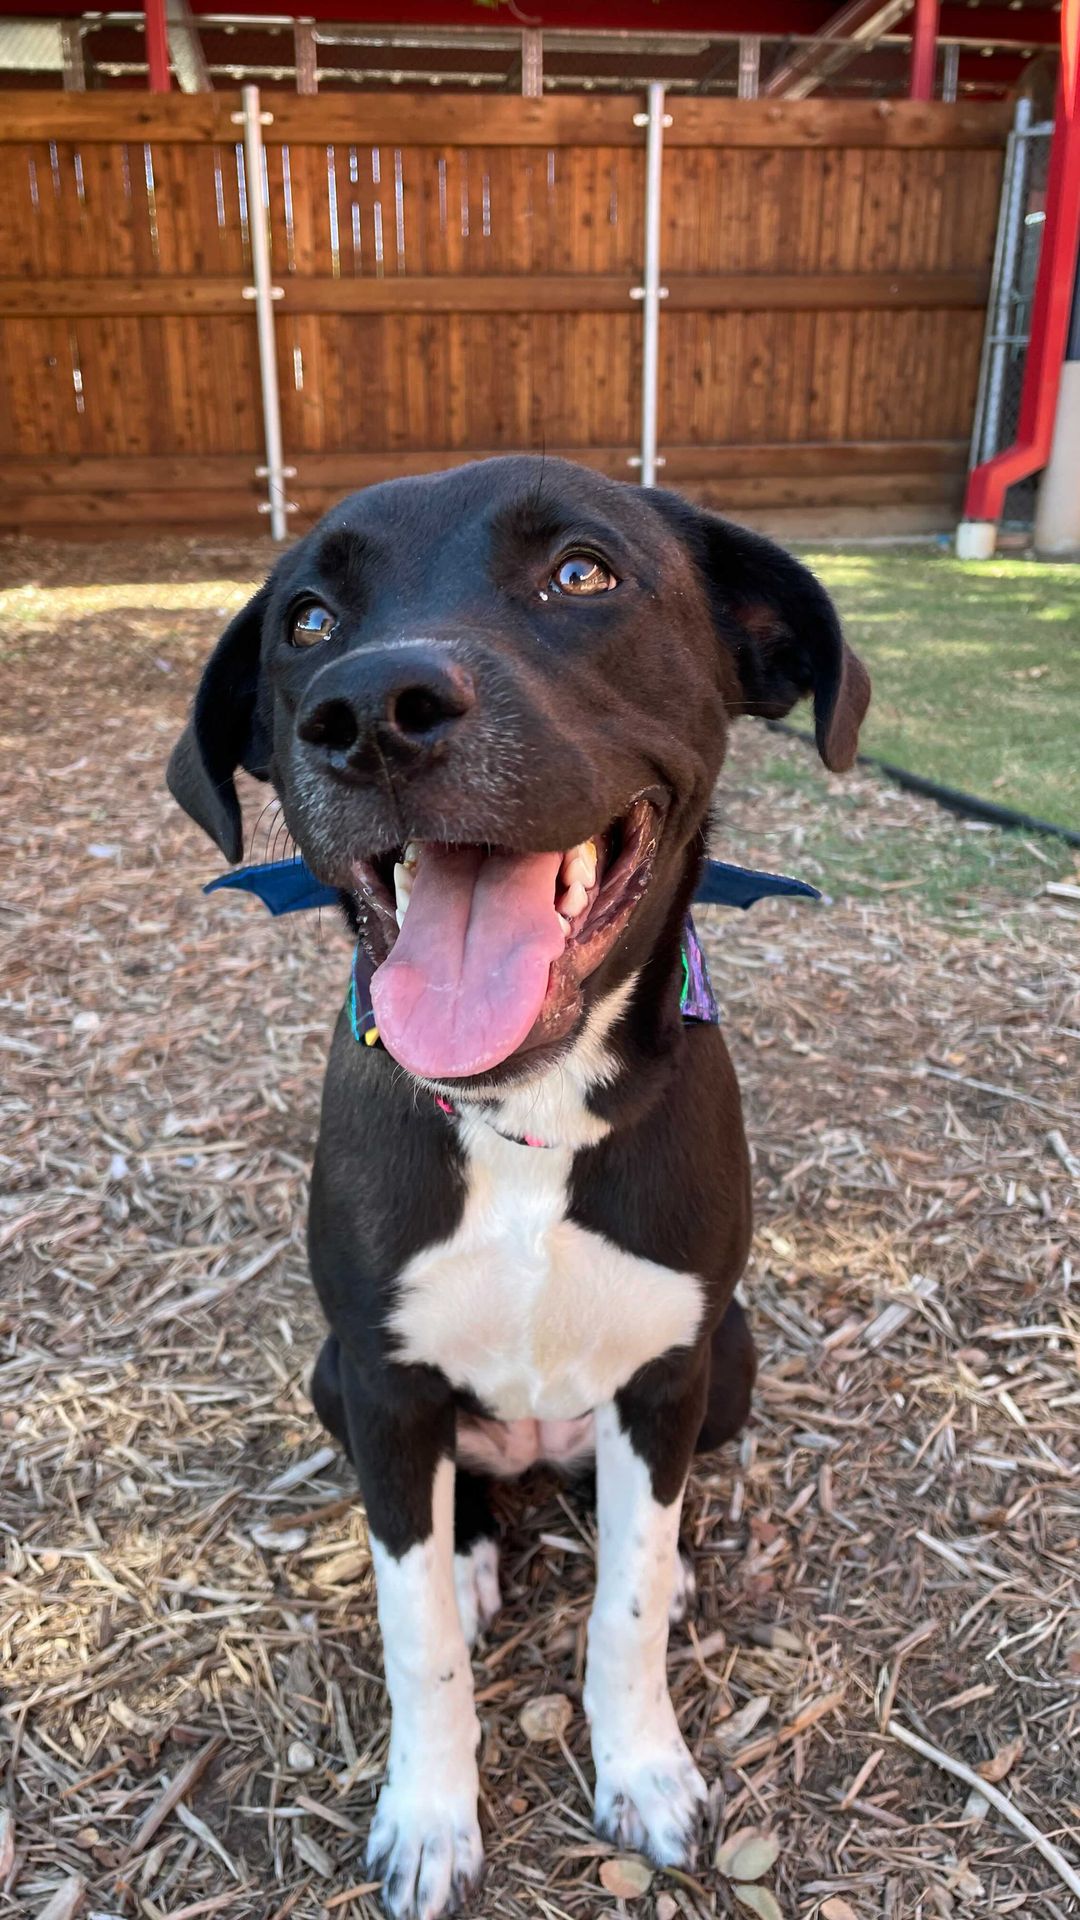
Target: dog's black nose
pixel 385 703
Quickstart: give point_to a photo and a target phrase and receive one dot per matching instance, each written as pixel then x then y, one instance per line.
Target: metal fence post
pixel 532 63
pixel 264 295
pixel 71 40
pixel 749 65
pixel 651 292
pixel 986 430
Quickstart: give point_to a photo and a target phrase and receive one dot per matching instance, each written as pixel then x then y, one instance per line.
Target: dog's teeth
pixel 574 900
pixel 563 922
pixel 579 864
pixel 410 854
pixel 403 886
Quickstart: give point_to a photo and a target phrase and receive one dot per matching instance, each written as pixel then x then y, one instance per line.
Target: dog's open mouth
pixel 480 952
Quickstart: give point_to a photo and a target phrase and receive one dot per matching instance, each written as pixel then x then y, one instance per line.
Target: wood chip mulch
pixel 194 1720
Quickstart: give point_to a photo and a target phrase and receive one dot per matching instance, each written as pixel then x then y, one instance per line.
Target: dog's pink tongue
pixel 469 970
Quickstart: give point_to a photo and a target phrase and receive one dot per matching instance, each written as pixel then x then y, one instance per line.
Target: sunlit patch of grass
pixel 36 604
pixel 976 670
pixel 139 618
pixel 949 867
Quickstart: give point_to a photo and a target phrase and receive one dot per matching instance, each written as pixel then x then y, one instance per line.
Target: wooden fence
pixel 456 278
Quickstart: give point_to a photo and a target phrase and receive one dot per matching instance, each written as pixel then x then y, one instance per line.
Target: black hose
pixel 951 798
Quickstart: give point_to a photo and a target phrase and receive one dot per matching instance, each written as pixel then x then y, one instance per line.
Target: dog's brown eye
pixel 582 573
pixel 311 624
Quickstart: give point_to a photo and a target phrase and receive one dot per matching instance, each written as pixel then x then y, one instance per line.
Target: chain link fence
pixel 1008 330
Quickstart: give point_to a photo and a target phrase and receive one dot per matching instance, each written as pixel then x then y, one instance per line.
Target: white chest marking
pixel 537 1316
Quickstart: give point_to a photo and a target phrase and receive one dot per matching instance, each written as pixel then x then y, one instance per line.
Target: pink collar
pixel 515 1139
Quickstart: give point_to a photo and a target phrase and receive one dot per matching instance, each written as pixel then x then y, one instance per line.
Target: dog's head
pixel 499 697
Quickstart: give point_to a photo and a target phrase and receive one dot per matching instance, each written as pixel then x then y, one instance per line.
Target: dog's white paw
pixel 426 1849
pixel 683 1590
pixel 651 1801
pixel 476 1582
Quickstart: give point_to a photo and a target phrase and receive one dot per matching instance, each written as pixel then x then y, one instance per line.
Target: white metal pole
pixel 652 292
pixel 263 295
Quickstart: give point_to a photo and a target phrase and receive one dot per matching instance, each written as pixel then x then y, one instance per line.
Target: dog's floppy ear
pixel 224 732
pixel 780 627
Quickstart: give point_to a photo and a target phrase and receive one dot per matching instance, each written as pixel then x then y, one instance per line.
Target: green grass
pixel 949 868
pixel 976 670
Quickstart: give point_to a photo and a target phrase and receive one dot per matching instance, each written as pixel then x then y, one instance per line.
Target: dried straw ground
pixel 195 1716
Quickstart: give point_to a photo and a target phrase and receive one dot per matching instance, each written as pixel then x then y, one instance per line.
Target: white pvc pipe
pixel 264 311
pixel 650 344
pixel 976 539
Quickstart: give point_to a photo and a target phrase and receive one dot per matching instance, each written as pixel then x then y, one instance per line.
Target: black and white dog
pixel 494 703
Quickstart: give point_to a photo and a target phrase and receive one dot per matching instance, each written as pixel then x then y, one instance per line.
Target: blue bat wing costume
pixel 289 886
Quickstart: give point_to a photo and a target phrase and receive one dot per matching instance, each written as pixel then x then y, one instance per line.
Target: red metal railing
pixel 989 483
pixel 157 46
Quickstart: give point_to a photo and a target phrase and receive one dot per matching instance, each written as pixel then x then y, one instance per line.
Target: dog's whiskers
pixel 273 807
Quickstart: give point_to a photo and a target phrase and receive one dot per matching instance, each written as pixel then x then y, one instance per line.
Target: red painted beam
pixel 704 17
pixel 989 483
pixel 157 47
pixel 1028 26
pixel 1014 26
pixel 924 50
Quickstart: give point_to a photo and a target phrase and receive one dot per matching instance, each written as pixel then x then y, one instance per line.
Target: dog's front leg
pixel 425 1839
pixel 649 1793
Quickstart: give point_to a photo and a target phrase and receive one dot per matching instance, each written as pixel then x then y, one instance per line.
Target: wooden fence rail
pixel 456 279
